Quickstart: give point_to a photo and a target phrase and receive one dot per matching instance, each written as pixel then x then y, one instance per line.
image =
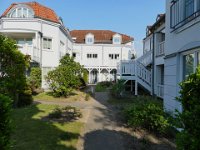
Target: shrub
pixel 118 89
pixel 65 77
pixel 5 122
pixel 189 138
pixel 35 78
pixel 25 97
pixel 12 70
pixel 148 115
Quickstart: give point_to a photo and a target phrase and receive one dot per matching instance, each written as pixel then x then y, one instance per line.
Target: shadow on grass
pixel 53 95
pixel 31 133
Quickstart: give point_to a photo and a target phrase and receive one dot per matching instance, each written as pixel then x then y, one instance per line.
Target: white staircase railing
pixel 134 70
pixel 146 59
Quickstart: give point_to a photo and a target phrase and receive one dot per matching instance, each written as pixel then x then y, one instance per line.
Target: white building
pixel 99 51
pixel 147 71
pixel 41 34
pixel 182 50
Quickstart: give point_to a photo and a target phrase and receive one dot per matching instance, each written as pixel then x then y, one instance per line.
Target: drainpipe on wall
pixel 153 62
pixel 41 36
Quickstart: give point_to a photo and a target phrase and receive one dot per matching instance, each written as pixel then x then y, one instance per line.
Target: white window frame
pixel 92 56
pixel 195 51
pixel 114 56
pixel 23 8
pixel 49 46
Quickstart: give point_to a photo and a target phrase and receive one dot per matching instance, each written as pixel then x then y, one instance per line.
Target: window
pixel 188 64
pixel 92 55
pixel 21 12
pixel 47 43
pixel 189 8
pixel 89 40
pixel 74 55
pixel 183 11
pixel 116 40
pixel 114 56
pixel 24 41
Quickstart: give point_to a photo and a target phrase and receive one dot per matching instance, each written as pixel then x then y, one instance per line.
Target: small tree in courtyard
pixel 189 138
pixel 12 69
pixel 65 77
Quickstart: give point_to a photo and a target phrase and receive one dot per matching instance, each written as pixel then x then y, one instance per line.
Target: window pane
pixel 189 8
pixel 198 5
pixel 20 41
pixel 30 13
pixel 188 65
pixel 13 15
pixel 19 12
pixel 24 13
pixel 29 41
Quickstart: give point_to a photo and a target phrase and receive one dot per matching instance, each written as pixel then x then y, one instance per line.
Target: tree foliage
pixel 35 78
pixel 66 77
pixel 5 122
pixel 12 69
pixel 189 138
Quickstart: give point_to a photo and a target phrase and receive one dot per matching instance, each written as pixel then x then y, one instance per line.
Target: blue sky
pixel 125 16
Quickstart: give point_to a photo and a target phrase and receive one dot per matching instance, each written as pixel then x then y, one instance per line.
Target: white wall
pixel 183 39
pixel 103 51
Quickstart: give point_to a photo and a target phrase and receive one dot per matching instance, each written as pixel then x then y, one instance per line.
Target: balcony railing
pixel 178 15
pixel 161 49
pixel 146 59
pixel 30 50
pixel 160 90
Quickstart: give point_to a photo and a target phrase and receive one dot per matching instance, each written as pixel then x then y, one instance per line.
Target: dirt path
pixel 101 131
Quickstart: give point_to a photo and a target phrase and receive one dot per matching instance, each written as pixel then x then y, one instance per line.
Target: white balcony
pixel 161 49
pixel 160 91
pixel 30 50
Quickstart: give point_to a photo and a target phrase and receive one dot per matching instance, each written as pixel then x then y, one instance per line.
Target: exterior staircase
pixel 136 70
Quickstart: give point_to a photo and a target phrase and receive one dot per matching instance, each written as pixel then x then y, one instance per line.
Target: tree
pixel 35 78
pixel 5 122
pixel 189 137
pixel 66 77
pixel 12 69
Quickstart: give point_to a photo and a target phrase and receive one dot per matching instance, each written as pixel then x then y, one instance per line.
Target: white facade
pixel 45 41
pixel 101 59
pixel 182 47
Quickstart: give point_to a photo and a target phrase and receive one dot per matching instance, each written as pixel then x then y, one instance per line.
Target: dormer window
pixel 21 12
pixel 89 39
pixel 117 39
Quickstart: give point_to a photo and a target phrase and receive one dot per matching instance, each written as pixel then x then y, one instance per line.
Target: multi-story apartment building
pixel 41 34
pixel 99 51
pixel 182 50
pixel 147 71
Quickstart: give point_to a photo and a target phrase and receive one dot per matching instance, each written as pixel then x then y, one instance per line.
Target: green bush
pixel 35 78
pixel 25 97
pixel 147 114
pixel 189 137
pixel 118 89
pixel 65 77
pixel 5 122
pixel 12 70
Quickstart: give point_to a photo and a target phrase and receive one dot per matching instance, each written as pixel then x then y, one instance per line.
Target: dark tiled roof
pixel 100 36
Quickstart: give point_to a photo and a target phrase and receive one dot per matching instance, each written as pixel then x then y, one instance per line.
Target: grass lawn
pixel 47 96
pixel 33 133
